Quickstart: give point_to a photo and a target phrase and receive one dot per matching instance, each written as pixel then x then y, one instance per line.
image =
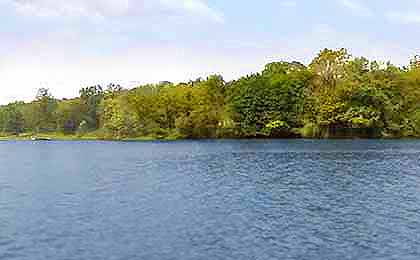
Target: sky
pixel 66 45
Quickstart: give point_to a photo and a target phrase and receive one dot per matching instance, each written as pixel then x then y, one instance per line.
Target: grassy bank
pixel 63 137
pixel 307 132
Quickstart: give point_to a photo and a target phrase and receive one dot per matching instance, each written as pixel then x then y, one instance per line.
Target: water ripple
pixel 251 199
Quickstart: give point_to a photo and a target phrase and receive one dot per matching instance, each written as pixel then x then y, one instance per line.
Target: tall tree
pixel 92 97
pixel 45 105
pixel 11 118
pixel 329 68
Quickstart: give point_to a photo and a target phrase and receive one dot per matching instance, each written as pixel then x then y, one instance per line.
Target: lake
pixel 248 199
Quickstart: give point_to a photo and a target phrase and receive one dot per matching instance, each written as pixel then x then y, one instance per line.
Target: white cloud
pixel 197 7
pixel 404 17
pixel 116 8
pixel 56 8
pixel 357 8
pixel 288 4
pixel 326 36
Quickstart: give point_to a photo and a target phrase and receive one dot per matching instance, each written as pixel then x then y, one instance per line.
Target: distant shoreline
pixel 74 138
pixel 53 137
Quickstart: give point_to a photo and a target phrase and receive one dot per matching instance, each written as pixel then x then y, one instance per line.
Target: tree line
pixel 336 95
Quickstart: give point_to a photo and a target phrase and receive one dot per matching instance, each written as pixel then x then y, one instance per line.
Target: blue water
pixel 286 199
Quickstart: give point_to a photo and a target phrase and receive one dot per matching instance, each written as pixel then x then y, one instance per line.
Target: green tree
pixel 11 118
pixel 118 118
pixel 44 111
pixel 69 115
pixel 92 97
pixel 275 95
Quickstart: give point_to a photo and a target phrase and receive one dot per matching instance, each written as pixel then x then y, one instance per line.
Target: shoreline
pixel 77 138
pixel 69 138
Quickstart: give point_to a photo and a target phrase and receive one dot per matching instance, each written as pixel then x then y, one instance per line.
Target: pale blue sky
pixel 65 45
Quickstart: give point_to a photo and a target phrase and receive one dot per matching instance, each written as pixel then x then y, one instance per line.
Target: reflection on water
pixel 254 199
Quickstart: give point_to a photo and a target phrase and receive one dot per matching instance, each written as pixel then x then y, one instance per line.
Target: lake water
pixel 255 199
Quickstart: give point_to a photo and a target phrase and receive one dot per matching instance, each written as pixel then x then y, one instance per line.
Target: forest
pixel 335 96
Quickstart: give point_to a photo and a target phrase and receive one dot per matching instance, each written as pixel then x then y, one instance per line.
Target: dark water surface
pixel 291 199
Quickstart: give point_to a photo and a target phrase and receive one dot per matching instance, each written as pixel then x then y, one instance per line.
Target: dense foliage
pixel 336 95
